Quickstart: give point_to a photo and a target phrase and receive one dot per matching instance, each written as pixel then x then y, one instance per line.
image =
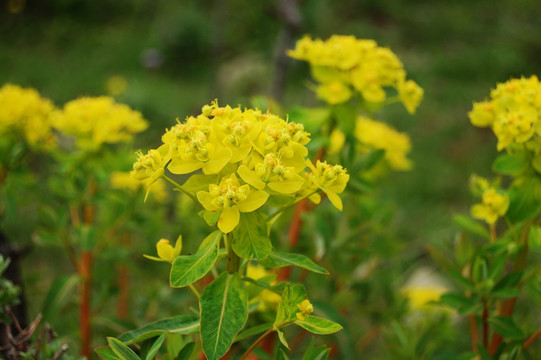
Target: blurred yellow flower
pixel 116 85
pixel 125 181
pixel 166 252
pixel 26 114
pixel 377 135
pixel 420 296
pixel 494 205
pixel 267 299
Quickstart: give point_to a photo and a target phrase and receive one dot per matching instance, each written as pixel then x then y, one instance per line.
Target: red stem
pixel 85 271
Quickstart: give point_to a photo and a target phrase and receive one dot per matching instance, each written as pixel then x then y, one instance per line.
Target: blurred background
pixel 168 58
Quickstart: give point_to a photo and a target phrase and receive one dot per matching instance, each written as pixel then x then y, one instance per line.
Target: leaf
pixel 506 327
pixel 156 346
pixel 254 330
pixel 508 281
pixel 250 237
pixel 346 116
pixel 523 201
pixel 319 353
pixel 292 296
pixel 58 294
pixel 455 300
pixel 123 352
pixel 460 280
pixel 534 238
pixel 468 224
pixel 318 325
pixel 224 311
pixel 367 161
pixel 511 164
pixel 277 259
pixel 186 351
pixel 312 118
pixel 187 269
pixel 182 324
pixel 106 353
pixel 506 293
pixel 282 338
pixel 496 267
pixel 210 217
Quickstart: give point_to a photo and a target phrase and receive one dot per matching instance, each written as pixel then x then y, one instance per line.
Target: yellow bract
pixel 98 120
pixel 28 115
pixel 245 156
pixel 377 135
pixel 332 179
pixel 166 252
pixel 344 64
pixel 493 206
pixel 513 112
pixel 306 308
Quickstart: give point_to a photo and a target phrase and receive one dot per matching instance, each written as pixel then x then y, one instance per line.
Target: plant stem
pixel 177 185
pixel 531 339
pixel 233 261
pixel 493 236
pixel 473 332
pixel 509 305
pixel 260 339
pixel 485 324
pixel 194 290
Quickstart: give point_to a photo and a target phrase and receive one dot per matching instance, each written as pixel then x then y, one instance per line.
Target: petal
pixel 288 186
pixel 250 177
pixel 229 219
pixel 180 166
pixel 335 200
pixel 206 199
pixel 218 159
pixel 315 198
pixel 240 153
pixel 254 201
pixel 165 251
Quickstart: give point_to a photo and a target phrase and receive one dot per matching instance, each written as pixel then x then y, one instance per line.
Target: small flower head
pixel 332 179
pixel 166 252
pixel 494 204
pixel 305 308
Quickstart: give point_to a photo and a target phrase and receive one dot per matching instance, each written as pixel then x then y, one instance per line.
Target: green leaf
pixel 506 327
pixel 496 267
pixel 460 280
pixel 186 351
pixel 367 161
pixel 155 347
pixel 312 118
pixel 277 259
pixel 224 311
pixel 282 338
pixel 534 238
pixel 455 300
pixel 318 325
pixel 506 293
pixel 106 353
pixel 182 324
pixel 508 281
pixel 511 164
pixel 468 224
pixel 123 352
pixel 210 217
pixel 292 296
pixel 346 116
pixel 187 269
pixel 523 201
pixel 250 237
pixel 319 353
pixel 58 294
pixel 254 330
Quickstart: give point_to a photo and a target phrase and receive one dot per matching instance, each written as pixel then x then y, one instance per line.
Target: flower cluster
pixel 25 113
pixel 377 135
pixel 513 113
pixel 98 120
pixel 494 203
pixel 124 181
pixel 246 155
pixel 345 64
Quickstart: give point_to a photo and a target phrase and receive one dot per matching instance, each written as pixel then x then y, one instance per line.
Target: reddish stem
pixel 85 271
pixel 485 325
pixel 473 332
pixel 531 339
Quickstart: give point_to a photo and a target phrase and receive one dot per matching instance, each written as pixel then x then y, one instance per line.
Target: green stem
pixel 177 185
pixel 194 290
pixel 233 261
pixel 281 210
pixel 265 334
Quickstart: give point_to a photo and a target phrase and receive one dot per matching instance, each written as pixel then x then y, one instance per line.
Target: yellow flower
pixel 125 181
pixel 231 198
pixel 267 299
pixel 332 179
pixel 482 114
pixel 306 308
pixel 116 85
pixel 336 141
pixel 166 252
pixel 420 296
pixel 335 92
pixel 378 135
pixel 494 205
pixel 411 95
pixel 150 167
pixel 28 115
pixel 99 120
pixel 270 172
pixel 516 125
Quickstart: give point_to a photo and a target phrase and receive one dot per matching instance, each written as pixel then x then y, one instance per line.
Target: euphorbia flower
pixel 493 206
pixel 150 167
pixel 332 179
pixel 231 199
pixel 165 251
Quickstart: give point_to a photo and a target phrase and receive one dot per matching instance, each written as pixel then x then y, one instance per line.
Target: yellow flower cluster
pixel 254 156
pixel 513 112
pixel 306 308
pixel 94 121
pixel 267 299
pixel 494 203
pixel 124 181
pixel 377 135
pixel 344 64
pixel 25 113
